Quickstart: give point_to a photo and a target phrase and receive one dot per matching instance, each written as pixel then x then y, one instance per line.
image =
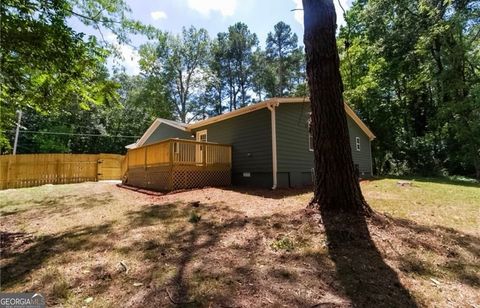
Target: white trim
pixel 154 126
pixel 265 104
pixel 357 144
pixel 231 114
pixel 131 145
pixel 282 100
pixel 200 133
pixel 199 148
pixel 180 126
pixel 271 106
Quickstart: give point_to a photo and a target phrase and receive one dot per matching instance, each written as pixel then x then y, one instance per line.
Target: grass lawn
pixel 98 245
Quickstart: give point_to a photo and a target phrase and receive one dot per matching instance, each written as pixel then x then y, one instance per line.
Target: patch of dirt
pixel 227 248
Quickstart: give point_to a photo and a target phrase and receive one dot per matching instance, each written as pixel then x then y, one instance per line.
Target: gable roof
pixel 153 127
pixel 277 101
pixel 244 110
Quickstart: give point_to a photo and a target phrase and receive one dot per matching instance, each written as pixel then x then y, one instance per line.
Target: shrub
pixel 283 244
pixel 194 217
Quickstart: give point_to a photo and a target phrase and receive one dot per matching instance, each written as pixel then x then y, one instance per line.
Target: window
pixel 202 136
pixel 357 143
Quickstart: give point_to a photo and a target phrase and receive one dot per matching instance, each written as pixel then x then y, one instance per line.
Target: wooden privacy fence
pixel 178 164
pixel 26 170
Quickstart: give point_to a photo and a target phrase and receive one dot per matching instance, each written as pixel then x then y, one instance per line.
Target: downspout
pixel 271 106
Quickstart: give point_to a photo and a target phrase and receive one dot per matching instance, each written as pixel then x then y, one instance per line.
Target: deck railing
pixel 178 163
pixel 180 152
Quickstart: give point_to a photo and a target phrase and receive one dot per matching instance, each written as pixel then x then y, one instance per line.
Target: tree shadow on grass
pixel 58 204
pixel 452 253
pixel 226 259
pixel 367 280
pixel 206 268
pixel 25 253
pixel 278 193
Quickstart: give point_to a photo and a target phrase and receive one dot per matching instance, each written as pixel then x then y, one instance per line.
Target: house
pixel 270 141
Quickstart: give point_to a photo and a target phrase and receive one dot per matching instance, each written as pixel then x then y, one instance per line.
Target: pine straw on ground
pixel 98 245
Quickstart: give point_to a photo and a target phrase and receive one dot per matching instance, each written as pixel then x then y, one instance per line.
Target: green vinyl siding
pixel 292 138
pixel 293 151
pixel 363 157
pixel 250 137
pixel 251 140
pixel 165 131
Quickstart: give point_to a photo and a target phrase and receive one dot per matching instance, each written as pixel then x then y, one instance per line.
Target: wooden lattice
pixel 179 164
pixel 188 177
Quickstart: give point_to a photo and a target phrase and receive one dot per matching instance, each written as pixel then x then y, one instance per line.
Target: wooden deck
pixel 175 164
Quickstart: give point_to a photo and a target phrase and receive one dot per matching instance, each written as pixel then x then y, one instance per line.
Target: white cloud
pixel 130 59
pixel 204 7
pixel 298 14
pixel 157 15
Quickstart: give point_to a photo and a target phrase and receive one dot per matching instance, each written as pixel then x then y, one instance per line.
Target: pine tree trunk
pixel 336 186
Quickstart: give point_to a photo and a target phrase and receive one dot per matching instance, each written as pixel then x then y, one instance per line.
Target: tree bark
pixel 336 186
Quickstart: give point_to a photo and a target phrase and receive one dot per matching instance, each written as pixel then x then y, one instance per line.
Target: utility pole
pixel 17 132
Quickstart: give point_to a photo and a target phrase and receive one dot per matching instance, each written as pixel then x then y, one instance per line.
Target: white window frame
pixel 357 143
pixel 199 148
pixel 200 133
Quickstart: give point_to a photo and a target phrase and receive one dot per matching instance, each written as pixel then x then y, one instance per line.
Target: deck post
pixel 204 155
pixel 170 178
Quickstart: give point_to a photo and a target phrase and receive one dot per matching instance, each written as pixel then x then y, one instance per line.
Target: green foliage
pixel 286 60
pixel 232 62
pixel 194 217
pixel 138 105
pixel 411 70
pixel 46 65
pixel 176 63
pixel 284 243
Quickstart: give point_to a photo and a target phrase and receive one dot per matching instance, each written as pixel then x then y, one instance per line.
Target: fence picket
pixel 27 170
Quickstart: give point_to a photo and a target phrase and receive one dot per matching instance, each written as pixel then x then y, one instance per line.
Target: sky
pixel 213 15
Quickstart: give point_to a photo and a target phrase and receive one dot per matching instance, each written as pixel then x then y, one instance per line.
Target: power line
pixel 75 134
